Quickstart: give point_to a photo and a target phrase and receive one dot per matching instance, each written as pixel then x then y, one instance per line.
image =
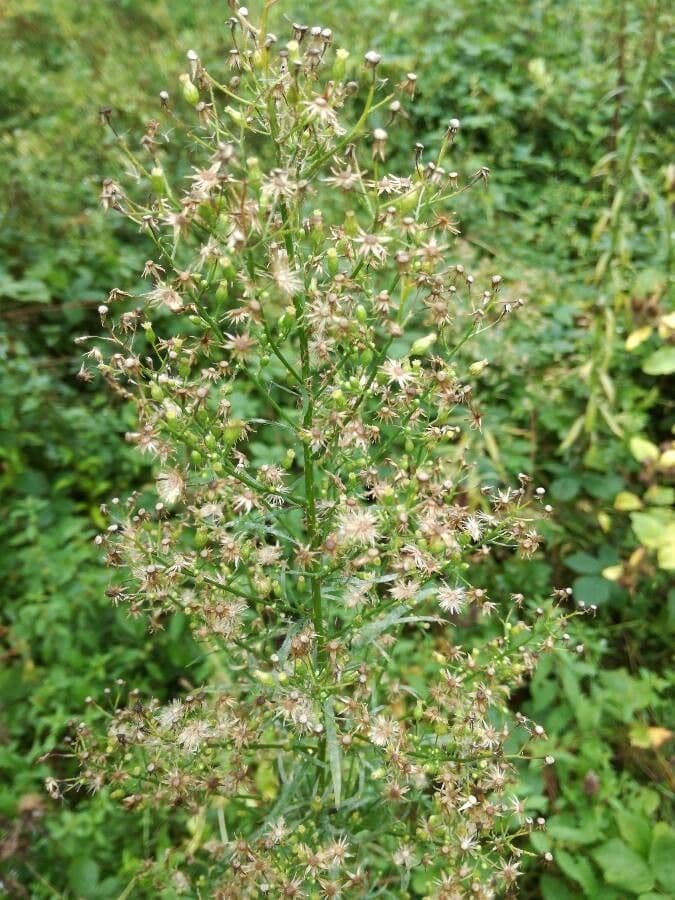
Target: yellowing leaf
pixel 604 521
pixel 612 573
pixel 667 459
pixel 626 502
pixel 638 337
pixel 666 553
pixel 660 496
pixel 658 736
pixel 643 450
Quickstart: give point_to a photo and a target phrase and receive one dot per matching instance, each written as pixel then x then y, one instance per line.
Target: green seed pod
pixel 225 263
pixel 289 459
pixel 158 181
pixel 232 432
pixel 361 313
pixel 156 392
pixel 340 64
pixel 421 345
pixel 351 224
pixel 196 458
pixel 332 261
pixel 149 332
pixel 190 92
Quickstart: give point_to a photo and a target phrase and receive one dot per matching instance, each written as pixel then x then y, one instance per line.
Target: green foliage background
pixel 568 104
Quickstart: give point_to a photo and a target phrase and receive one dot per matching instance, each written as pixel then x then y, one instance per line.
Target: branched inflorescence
pixel 293 359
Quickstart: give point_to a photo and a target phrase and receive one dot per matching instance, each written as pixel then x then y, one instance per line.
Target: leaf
pixel 83 877
pixel 573 434
pixel 578 869
pixel 627 502
pixel 660 362
pixel 635 830
pixel 643 450
pixel 623 867
pixel 591 589
pixel 333 750
pixel 652 528
pixel 666 552
pixel 660 496
pixel 555 889
pixel 667 459
pixel 565 488
pixel 662 854
pixel 638 337
pixel 583 564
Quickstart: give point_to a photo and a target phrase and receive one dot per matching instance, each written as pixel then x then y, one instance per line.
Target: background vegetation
pixel 568 105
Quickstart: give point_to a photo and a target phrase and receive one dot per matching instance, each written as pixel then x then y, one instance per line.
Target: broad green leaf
pixel 591 589
pixel 635 830
pixel 579 869
pixel 662 855
pixel 565 488
pixel 659 495
pixel 660 362
pixel 83 876
pixel 651 527
pixel 555 889
pixel 583 564
pixel 623 867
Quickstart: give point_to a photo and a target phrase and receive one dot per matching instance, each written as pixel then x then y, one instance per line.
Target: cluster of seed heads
pixel 298 356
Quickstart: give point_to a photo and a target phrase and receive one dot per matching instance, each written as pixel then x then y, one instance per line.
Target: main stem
pixel 307 421
pixel 308 416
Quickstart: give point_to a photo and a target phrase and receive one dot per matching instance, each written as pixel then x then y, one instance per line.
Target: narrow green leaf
pixel 333 749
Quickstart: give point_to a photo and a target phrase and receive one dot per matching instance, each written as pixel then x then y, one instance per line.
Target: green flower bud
pixel 232 431
pixel 340 64
pixel 190 92
pixel 289 459
pixel 421 345
pixel 158 181
pixel 332 261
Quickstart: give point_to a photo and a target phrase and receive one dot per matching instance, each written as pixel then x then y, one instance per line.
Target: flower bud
pixel 421 345
pixel 477 367
pixel 158 180
pixel 340 64
pixel 190 92
pixel 332 261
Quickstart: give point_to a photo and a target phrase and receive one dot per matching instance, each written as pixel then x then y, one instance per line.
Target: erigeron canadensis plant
pixel 294 360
